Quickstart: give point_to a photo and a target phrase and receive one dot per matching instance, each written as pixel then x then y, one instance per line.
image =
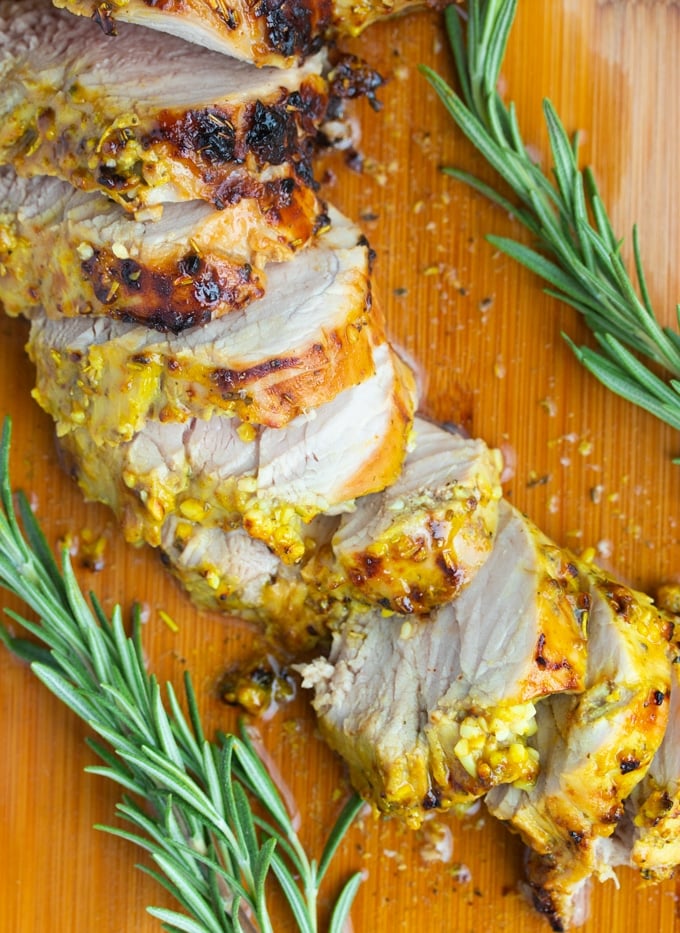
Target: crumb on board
pixel 668 597
pixel 595 493
pixel 549 405
pixel 167 619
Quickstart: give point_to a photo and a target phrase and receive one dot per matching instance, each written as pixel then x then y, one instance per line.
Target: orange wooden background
pixel 590 470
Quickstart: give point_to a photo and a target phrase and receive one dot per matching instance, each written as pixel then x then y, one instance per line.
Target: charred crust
pixel 571 570
pixel 164 319
pixel 229 381
pixel 305 173
pixel 288 25
pixel 162 299
pixel 281 130
pixel 272 136
pixel 214 141
pixel 540 659
pixel 111 180
pixel 190 264
pixel 432 799
pixel 207 290
pixel 452 573
pixel 666 802
pixel 583 605
pixel 131 272
pixel 351 77
pixel 372 255
pixel 544 904
pixel 613 816
pixel 228 16
pixel 544 662
pixel 628 763
pixel 208 133
pixel 287 187
pixel 103 17
pixel 322 222
pixel 369 567
pixel 272 196
pixel 354 160
pixel 620 598
pixel 317 42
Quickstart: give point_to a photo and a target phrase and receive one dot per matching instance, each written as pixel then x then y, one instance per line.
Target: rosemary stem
pixel 188 801
pixel 575 249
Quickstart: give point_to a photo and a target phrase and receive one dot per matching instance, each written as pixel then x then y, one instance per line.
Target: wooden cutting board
pixel 591 470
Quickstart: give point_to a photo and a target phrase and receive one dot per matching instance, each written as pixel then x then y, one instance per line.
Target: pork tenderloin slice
pixel 654 808
pixel 648 836
pixel 352 446
pixel 434 711
pixel 594 749
pixel 272 481
pixel 267 34
pixel 310 337
pixel 229 571
pixel 419 542
pixel 78 254
pixel 148 121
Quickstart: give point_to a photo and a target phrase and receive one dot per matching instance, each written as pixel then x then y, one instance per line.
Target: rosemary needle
pixel 576 251
pixel 208 813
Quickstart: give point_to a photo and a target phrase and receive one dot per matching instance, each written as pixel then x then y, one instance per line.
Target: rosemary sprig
pixel 208 813
pixel 576 250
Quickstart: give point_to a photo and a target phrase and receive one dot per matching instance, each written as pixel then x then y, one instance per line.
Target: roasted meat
pixel 271 453
pixel 148 121
pixel 271 32
pixel 271 480
pixel 79 254
pixel 415 545
pixel 648 836
pixel 317 591
pixel 232 572
pixel 433 711
pixel 654 808
pixel 594 749
pixel 310 337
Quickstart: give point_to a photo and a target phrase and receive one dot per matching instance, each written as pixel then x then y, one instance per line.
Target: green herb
pixel 577 252
pixel 208 813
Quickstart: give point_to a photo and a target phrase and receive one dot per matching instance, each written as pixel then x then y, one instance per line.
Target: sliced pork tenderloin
pixel 309 338
pixel 232 572
pixel 148 121
pixel 273 481
pixel 418 543
pixel 594 750
pixel 268 33
pixel 654 808
pixel 80 254
pixel 322 585
pixel 648 836
pixel 433 711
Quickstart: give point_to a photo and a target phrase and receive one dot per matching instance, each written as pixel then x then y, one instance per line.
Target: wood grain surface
pixel 590 470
